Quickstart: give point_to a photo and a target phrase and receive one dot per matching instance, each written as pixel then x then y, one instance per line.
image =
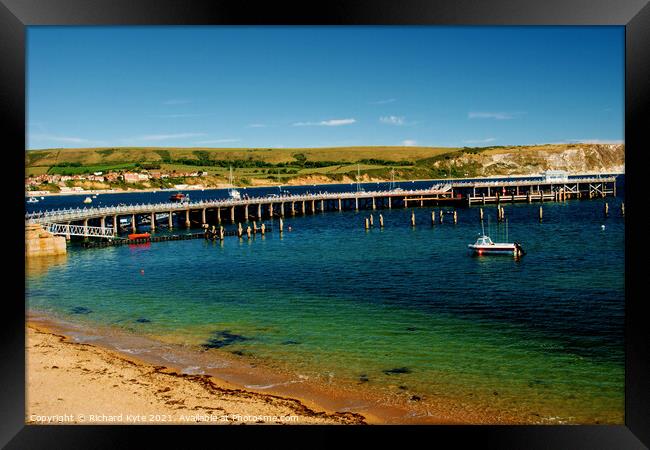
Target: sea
pixel 403 313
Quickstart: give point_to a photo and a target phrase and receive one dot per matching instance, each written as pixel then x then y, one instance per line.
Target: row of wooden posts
pixel 369 221
pixel 240 230
pixel 501 216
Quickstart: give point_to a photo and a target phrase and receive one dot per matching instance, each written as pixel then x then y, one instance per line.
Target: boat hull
pixel 492 250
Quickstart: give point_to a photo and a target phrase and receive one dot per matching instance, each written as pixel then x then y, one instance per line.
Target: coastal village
pixel 53 183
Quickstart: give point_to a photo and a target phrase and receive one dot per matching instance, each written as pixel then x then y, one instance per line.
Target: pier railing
pixel 74 214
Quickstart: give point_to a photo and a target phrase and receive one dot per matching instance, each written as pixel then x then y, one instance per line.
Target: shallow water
pixel 393 308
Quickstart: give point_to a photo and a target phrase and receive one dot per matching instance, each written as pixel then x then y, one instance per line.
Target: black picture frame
pixel 15 15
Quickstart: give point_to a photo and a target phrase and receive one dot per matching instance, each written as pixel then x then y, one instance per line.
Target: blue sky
pixel 323 86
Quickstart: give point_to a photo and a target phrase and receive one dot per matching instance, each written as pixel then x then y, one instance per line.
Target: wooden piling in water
pixel 239 230
pixel 366 224
pixel 606 209
pixel 622 209
pixel 371 220
pixel 412 218
pixel 221 233
pixel 455 217
pixel 262 229
pixel 281 225
pixel 541 213
pixel 254 226
pixel 441 215
pixel 433 218
pixel 381 221
pixel 480 212
pixel 248 231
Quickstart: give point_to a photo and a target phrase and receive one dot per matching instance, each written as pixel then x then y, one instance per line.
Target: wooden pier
pixel 104 222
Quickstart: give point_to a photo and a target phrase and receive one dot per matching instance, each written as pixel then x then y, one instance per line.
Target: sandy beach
pixel 78 383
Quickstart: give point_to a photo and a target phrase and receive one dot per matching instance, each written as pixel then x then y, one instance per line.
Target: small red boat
pixel 135 236
pixel 177 197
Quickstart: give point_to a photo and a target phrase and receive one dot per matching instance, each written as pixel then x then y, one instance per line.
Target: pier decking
pixel 105 221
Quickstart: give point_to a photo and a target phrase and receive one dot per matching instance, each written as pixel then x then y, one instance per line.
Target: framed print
pixel 368 215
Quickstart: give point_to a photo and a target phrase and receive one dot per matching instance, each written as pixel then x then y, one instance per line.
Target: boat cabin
pixel 484 240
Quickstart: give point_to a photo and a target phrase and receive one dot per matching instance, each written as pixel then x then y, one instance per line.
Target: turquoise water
pixel 540 337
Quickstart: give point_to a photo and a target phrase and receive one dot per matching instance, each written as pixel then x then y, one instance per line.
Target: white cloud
pixel 392 120
pixel 594 141
pixel 174 116
pixel 384 102
pixel 257 125
pixel 479 141
pixel 492 115
pixel 176 101
pixel 326 123
pixel 217 141
pixel 409 142
pixel 63 139
pixel 165 137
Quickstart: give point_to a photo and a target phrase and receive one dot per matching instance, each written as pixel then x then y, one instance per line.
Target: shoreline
pixel 94 363
pixel 288 184
pixel 91 384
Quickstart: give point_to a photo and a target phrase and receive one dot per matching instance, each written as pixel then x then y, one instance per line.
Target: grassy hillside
pixel 321 165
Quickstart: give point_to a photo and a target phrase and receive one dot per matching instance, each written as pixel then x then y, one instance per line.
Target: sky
pixel 277 87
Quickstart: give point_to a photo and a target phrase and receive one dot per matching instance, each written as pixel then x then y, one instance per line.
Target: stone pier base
pixel 39 242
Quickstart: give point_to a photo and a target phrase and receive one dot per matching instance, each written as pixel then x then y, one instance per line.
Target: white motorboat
pixel 485 246
pixel 32 200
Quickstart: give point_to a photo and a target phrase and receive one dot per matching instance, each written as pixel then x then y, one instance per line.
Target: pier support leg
pixel 389 203
pixel 102 222
pixel 187 218
pixel 232 214
pixel 282 209
pixel 412 218
pixel 606 209
pixel 373 204
pixel 322 206
pixel 340 205
pixel 115 224
pixel 153 221
pixel 271 210
pixel 85 227
pixel 203 218
pixel 281 225
pixel 303 208
pixel 455 217
pixel 622 209
pixel 293 209
pixel 381 221
pixel 433 218
pixel 366 224
pixel 259 211
pixel 170 221
pixel 219 215
pixel 541 213
pixel 67 231
pixel 480 212
pixel 133 223
pixel 356 203
pixel 239 230
pixel 313 206
pixel 371 220
pixel 246 213
pixel 441 216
